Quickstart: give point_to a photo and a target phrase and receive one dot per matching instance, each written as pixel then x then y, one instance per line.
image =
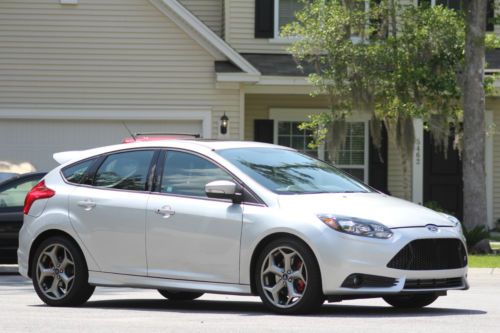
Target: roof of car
pixel 68 156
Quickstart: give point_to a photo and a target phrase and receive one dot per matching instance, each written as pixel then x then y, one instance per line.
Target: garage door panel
pixel 35 141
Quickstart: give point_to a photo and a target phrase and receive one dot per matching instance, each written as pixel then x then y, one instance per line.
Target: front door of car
pixel 190 236
pixel 108 212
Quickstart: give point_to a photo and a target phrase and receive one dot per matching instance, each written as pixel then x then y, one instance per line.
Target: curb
pixel 484 271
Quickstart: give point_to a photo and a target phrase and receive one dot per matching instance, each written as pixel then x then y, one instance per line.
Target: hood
pixel 391 212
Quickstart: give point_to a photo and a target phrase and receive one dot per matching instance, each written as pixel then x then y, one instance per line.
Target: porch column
pixel 418 163
pixel 489 169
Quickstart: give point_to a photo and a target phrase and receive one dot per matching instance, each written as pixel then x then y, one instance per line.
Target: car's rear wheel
pixel 60 274
pixel 288 277
pixel 179 295
pixel 411 301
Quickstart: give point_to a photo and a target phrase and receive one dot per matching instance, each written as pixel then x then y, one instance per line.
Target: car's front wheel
pixel 179 295
pixel 411 301
pixel 288 278
pixel 60 274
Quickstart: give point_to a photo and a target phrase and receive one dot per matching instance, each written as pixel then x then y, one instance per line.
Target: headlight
pixel 455 221
pixel 356 226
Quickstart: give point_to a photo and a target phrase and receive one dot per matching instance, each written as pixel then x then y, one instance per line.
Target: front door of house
pixel 443 184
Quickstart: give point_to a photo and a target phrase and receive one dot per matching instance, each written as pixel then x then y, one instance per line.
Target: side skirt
pixel 135 281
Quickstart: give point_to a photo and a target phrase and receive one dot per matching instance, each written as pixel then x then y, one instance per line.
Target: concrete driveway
pixel 133 310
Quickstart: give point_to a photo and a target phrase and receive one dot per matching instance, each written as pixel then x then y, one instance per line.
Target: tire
pixel 288 278
pixel 60 274
pixel 179 295
pixel 411 301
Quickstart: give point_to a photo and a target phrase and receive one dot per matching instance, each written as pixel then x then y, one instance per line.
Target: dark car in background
pixel 12 194
pixel 6 175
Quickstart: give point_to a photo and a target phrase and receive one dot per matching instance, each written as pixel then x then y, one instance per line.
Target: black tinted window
pixel 187 174
pixel 75 172
pixel 125 171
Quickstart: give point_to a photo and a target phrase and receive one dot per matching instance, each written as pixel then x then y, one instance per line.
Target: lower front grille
pixel 434 283
pixel 430 254
pixel 355 281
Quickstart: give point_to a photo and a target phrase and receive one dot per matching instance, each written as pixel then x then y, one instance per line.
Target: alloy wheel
pixel 55 271
pixel 284 277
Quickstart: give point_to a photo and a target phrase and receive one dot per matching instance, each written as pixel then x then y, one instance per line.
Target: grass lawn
pixel 484 261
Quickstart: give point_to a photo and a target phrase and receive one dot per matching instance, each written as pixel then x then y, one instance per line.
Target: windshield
pixel 289 172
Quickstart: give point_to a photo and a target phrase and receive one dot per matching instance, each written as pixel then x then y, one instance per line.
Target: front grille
pixel 430 254
pixel 434 283
pixel 355 281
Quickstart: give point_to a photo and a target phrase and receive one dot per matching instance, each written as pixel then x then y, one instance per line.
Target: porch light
pixel 224 122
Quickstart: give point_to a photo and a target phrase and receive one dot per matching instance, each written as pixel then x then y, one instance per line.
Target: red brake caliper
pixel 299 284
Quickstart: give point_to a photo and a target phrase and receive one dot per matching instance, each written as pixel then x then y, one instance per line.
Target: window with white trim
pixel 285 13
pixel 290 135
pixel 352 156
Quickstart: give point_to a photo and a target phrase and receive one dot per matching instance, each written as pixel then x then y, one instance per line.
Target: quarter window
pixel 74 173
pixel 187 174
pixel 125 171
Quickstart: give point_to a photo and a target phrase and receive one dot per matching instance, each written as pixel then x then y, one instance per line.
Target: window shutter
pixel 263 130
pixel 490 16
pixel 264 18
pixel 377 165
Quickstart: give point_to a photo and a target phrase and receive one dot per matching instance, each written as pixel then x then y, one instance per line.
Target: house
pixel 76 74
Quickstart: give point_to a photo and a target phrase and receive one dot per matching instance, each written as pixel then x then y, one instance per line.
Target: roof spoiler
pixel 66 156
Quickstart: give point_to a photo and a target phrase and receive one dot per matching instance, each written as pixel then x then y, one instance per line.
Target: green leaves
pixel 390 60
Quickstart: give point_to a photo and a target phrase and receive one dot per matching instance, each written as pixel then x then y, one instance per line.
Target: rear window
pixel 74 173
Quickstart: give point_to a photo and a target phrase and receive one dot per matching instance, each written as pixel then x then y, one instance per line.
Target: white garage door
pixel 34 141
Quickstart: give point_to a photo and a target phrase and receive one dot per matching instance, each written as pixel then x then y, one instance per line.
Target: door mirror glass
pixel 224 189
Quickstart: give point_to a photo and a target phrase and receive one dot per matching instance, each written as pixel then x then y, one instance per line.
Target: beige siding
pixel 208 11
pixel 104 54
pixel 257 107
pixel 241 17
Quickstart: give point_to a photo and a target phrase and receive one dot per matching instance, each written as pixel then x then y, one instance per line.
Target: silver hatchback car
pixel 189 217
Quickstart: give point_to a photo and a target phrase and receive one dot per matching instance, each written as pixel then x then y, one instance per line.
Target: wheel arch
pixel 260 246
pixel 46 235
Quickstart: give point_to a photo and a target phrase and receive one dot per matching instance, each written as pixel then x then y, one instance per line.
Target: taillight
pixel 39 191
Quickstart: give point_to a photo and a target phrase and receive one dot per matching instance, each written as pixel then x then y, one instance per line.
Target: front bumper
pixel 342 255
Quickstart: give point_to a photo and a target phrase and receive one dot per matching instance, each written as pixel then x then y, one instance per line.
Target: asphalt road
pixel 133 310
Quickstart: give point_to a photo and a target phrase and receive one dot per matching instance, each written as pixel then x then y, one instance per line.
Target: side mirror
pixel 224 189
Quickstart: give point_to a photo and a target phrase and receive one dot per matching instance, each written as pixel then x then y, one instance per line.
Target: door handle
pixel 165 211
pixel 86 204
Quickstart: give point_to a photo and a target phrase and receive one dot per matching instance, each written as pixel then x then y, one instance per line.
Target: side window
pixel 187 174
pixel 14 195
pixel 74 173
pixel 125 171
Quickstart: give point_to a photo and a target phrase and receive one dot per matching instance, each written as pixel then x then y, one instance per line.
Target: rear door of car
pixel 108 210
